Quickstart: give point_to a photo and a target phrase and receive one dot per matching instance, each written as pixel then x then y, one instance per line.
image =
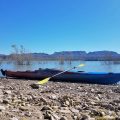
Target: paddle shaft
pixel 47 79
pixel 63 72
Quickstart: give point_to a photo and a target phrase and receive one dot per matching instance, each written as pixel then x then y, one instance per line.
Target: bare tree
pixel 20 56
pixel 28 58
pixel 61 59
pixel 1 61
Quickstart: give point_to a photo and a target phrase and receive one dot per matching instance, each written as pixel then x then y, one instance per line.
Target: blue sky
pixel 60 25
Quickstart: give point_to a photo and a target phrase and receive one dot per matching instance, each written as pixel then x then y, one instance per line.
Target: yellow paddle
pixel 48 78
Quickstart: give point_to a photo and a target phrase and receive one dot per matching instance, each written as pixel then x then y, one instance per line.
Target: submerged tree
pixel 0 61
pixel 20 56
pixel 108 60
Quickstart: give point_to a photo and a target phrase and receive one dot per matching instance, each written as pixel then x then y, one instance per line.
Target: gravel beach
pixel 58 101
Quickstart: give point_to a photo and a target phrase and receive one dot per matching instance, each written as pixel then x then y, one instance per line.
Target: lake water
pixel 90 66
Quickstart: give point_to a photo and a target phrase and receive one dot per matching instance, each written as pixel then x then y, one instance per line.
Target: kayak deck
pixel 79 77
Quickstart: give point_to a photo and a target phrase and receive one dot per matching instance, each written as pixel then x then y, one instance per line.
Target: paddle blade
pixel 44 81
pixel 81 65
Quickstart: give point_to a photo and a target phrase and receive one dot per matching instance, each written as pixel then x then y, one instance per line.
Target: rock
pixel 117 118
pixel 118 114
pixel 92 103
pixel 1 92
pixel 46 108
pixel 96 98
pixel 54 97
pixel 55 116
pixel 65 111
pixel 78 108
pixel 28 114
pixel 97 113
pixel 24 98
pixel 117 90
pixel 107 117
pixel 92 90
pixel 14 118
pixel 85 106
pixel 55 107
pixel 16 100
pixel 7 92
pixel 23 108
pixel 99 92
pixel 40 116
pixel 1 87
pixel 52 118
pixel 23 118
pixel 75 117
pixel 15 110
pixel 29 98
pixel 85 117
pixel 64 108
pixel 67 102
pixel 47 115
pixel 116 101
pixel 92 119
pixel 42 99
pixel 2 108
pixel 63 118
pixel 5 101
pixel 108 106
pixel 34 86
pixel 68 116
pixel 74 110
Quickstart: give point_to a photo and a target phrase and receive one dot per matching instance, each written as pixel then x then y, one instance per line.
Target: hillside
pixel 74 55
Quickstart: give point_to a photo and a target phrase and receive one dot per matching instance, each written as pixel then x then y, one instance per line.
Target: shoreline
pixel 58 101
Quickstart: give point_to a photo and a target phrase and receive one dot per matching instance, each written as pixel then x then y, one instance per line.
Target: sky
pixel 60 25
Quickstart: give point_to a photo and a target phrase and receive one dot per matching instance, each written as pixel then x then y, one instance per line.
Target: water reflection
pixel 90 66
pixel 107 65
pixel 111 66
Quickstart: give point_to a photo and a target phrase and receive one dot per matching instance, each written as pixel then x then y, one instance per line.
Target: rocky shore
pixel 58 101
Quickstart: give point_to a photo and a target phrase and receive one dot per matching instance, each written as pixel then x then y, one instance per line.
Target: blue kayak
pixel 79 77
pixel 90 78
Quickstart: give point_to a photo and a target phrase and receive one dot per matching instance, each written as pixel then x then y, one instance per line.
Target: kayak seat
pixel 80 71
pixel 110 73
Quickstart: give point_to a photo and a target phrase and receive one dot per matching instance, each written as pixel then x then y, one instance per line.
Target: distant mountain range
pixel 74 55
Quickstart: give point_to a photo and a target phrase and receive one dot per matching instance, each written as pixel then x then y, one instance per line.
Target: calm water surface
pixel 90 66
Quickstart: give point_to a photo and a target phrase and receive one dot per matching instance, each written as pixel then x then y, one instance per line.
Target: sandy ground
pixel 58 101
